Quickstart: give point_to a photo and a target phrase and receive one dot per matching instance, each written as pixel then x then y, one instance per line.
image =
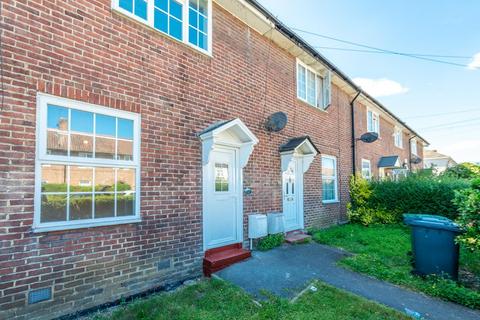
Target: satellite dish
pixel 416 160
pixel 369 137
pixel 276 122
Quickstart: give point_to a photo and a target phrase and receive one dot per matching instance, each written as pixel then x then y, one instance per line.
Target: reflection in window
pixel 81 134
pixel 57 130
pixel 79 193
pixel 221 177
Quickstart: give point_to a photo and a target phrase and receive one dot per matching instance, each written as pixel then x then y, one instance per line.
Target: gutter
pixel 354 139
pixel 287 32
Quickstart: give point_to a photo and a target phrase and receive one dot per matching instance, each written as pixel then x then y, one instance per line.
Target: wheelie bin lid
pixel 430 221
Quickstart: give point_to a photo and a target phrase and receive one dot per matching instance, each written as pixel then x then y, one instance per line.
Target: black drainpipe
pixel 410 151
pixel 354 139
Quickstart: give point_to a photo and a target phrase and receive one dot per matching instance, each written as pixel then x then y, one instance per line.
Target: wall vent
pixel 39 295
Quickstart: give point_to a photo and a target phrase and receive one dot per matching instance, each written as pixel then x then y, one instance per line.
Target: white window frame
pixel 185 23
pixel 413 147
pixel 334 178
pixel 375 126
pixel 398 138
pixel 326 79
pixel 365 161
pixel 41 158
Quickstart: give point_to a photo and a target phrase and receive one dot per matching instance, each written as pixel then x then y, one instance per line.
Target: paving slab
pixel 287 270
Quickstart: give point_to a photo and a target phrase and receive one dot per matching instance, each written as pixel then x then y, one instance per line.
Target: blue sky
pixel 418 90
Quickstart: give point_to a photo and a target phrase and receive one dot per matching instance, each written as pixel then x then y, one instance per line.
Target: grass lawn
pixel 382 252
pixel 215 299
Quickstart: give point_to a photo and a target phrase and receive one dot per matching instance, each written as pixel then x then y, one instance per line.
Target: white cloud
pixel 475 64
pixel 380 87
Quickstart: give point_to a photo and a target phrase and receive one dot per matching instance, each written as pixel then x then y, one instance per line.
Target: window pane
pixel 202 23
pixel 162 4
pixel 202 40
pixel 193 18
pixel 104 205
pixel 328 167
pixel 161 21
pixel 125 150
pixel 311 88
pixel 194 4
pixel 57 118
pixel 81 179
pixel 125 204
pixel 81 145
pixel 54 178
pixel 81 121
pixel 175 28
pixel 57 128
pixel 104 125
pixel 126 179
pixel 141 9
pixel 221 177
pixel 328 189
pixel 193 36
pixel 126 4
pixel 176 9
pixel 105 137
pixel 104 179
pixel 301 82
pixel 53 207
pixel 125 129
pixel 203 6
pixel 81 206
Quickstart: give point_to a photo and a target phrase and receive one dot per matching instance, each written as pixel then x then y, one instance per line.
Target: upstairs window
pixel 413 147
pixel 312 87
pixel 373 122
pixel 188 21
pixel 398 138
pixel 87 165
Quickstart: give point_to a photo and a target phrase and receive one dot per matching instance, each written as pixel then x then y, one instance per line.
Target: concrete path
pixel 287 270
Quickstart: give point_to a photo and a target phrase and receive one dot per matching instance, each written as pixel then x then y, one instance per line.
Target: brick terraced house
pixel 134 143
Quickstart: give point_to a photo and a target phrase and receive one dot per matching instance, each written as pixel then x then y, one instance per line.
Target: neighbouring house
pixel 135 143
pixel 436 161
pixel 397 150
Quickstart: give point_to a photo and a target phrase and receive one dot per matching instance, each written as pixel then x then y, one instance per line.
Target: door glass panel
pixel 221 177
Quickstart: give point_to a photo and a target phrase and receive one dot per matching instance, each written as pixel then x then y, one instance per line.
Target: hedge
pixel 385 201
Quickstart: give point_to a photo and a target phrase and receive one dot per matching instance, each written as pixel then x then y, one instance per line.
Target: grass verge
pixel 215 299
pixel 382 251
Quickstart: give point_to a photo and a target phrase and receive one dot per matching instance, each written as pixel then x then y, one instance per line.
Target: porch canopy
pixel 298 147
pixel 392 162
pixel 230 133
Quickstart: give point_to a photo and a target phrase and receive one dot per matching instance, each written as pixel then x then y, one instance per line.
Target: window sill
pixel 55 226
pixel 312 106
pixel 135 19
pixel 330 201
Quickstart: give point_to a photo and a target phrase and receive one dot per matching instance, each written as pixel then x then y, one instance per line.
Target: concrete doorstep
pixel 286 272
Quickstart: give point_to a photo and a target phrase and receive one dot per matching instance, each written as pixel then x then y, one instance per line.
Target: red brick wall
pixel 385 145
pixel 84 51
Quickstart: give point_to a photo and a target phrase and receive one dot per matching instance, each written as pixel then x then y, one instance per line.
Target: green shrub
pixel 271 241
pixel 463 171
pixel 468 202
pixel 385 201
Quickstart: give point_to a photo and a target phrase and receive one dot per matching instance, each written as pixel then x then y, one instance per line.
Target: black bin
pixel 433 244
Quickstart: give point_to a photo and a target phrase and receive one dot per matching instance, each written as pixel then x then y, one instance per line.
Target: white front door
pixel 293 195
pixel 222 192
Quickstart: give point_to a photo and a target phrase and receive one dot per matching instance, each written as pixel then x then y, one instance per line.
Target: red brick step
pixel 219 258
pixel 297 236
